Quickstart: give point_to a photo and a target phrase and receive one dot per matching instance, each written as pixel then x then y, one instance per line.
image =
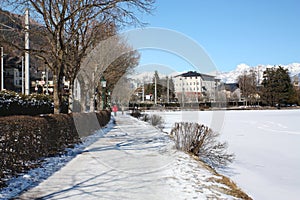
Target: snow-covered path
pixel 132 161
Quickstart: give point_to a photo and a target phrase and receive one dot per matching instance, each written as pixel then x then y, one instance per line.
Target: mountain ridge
pixel 231 76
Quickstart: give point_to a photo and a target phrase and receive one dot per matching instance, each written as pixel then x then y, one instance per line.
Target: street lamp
pixel 182 92
pixel 103 85
pixel 2 70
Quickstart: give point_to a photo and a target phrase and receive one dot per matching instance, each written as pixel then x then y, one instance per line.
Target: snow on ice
pixel 266 144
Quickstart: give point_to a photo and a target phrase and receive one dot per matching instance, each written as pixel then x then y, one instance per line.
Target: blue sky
pixel 231 31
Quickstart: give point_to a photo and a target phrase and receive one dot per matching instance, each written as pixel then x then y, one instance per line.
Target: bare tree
pixel 122 93
pixel 248 86
pixel 73 28
pixel 112 59
pixel 120 67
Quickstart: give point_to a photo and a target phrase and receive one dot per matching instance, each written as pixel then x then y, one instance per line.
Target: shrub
pixel 136 114
pixel 154 120
pixel 26 139
pixel 201 141
pixel 157 121
pixel 145 118
pixel 12 103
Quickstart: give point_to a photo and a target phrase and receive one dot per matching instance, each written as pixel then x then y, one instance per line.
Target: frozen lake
pixel 266 144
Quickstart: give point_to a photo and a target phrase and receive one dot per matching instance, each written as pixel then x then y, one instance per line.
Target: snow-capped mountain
pixel 231 77
pixel 147 77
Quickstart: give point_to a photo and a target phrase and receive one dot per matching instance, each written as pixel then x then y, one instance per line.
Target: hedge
pixel 24 140
pixel 12 103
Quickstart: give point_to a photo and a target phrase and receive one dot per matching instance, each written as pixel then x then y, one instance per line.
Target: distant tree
pixel 159 86
pixel 298 96
pixel 164 84
pixel 172 89
pixel 122 92
pixel 156 76
pixel 162 87
pixel 248 85
pixel 149 88
pixel 120 67
pixel 277 86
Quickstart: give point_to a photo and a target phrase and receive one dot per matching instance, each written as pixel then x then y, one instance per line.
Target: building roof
pixel 193 74
pixel 231 86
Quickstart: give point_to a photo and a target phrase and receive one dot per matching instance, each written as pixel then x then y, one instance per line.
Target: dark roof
pixel 193 74
pixel 231 86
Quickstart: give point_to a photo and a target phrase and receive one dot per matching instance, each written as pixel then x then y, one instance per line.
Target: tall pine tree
pixel 277 86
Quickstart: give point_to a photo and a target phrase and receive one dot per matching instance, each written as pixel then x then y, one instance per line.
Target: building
pixel 12 73
pixel 295 81
pixel 13 79
pixel 232 93
pixel 195 87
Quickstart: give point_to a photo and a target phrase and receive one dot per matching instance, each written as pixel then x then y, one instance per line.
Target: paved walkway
pixel 132 161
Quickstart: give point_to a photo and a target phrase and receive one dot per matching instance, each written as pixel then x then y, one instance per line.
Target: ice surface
pixel 266 144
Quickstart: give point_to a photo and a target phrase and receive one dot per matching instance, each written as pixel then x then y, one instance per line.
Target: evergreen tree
pixel 159 84
pixel 277 86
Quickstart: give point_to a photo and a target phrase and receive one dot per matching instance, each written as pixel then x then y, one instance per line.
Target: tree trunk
pixel 56 98
pixel 58 93
pixel 83 101
pixel 92 102
pixel 71 96
pixel 70 106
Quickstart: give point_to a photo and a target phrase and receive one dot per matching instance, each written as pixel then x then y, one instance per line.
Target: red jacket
pixel 115 108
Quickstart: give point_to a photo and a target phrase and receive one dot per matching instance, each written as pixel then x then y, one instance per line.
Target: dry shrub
pixel 157 121
pixel 154 120
pixel 201 141
pixel 145 118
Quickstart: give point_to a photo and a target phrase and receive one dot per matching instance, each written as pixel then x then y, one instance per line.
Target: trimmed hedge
pixel 12 103
pixel 25 139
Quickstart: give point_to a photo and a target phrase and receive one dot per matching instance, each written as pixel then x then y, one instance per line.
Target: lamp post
pixel 182 92
pixel 26 75
pixel 23 89
pixel 2 70
pixel 155 90
pixel 103 85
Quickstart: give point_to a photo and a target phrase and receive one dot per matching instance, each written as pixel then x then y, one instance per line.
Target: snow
pixel 266 145
pixel 133 160
pixel 231 77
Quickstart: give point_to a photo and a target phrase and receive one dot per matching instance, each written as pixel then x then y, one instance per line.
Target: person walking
pixel 115 110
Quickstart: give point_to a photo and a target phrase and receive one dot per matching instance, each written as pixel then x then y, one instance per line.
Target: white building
pixel 194 87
